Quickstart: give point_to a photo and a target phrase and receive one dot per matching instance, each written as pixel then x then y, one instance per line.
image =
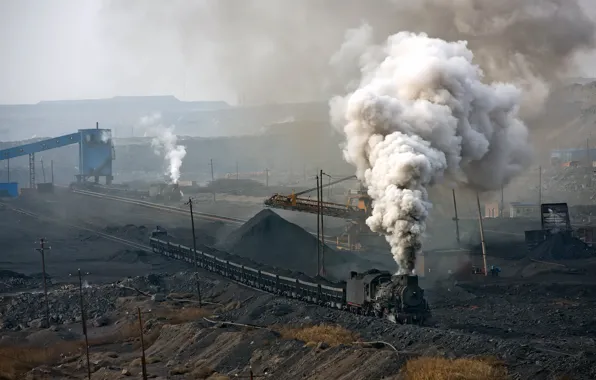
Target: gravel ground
pixel 540 331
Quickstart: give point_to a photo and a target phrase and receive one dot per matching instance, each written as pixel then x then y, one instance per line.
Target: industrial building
pixel 96 153
pixel 573 157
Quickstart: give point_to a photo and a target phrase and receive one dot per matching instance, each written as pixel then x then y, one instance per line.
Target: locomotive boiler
pixel 395 297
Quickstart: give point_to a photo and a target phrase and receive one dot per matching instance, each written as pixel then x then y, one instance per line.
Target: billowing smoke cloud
pixel 422 114
pixel 279 50
pixel 165 143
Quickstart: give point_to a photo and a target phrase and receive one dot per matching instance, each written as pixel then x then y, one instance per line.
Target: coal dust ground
pixel 536 316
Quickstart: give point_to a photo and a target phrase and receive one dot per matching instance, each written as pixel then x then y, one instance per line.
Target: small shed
pixel 524 210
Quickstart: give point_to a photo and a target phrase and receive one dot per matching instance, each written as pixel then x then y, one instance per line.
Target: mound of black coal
pixel 269 239
pixel 129 256
pixel 562 246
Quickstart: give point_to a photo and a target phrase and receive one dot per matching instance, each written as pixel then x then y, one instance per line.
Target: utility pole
pixel 212 178
pixel 318 229
pixel 322 228
pixel 43 171
pixel 236 170
pixel 539 186
pixel 143 361
pixel 266 177
pixel 502 208
pixel 481 233
pixel 52 170
pixel 456 219
pixel 588 164
pixel 84 323
pixel 42 250
pixel 194 247
pixel 8 169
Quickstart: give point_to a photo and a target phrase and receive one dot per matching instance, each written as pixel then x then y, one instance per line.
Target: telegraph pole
pixel 456 219
pixel 318 229
pixel 43 171
pixel 8 172
pixel 194 247
pixel 502 208
pixel 481 233
pixel 143 361
pixel 539 186
pixel 266 177
pixel 42 250
pixel 212 178
pixel 236 170
pixel 52 170
pixel 322 222
pixel 84 322
pixel 588 164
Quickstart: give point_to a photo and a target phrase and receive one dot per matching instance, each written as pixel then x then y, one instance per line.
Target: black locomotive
pixel 374 293
pixel 395 297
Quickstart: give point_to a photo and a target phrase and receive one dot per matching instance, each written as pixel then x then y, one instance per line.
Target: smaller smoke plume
pixel 105 136
pixel 422 114
pixel 165 144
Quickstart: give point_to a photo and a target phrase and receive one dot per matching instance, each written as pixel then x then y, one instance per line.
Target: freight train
pixel 373 293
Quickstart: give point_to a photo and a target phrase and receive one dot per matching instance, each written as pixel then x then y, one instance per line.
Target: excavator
pixel 356 209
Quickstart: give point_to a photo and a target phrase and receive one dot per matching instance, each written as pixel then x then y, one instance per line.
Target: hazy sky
pixel 66 49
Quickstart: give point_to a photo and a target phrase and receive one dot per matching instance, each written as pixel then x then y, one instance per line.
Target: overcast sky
pixel 63 49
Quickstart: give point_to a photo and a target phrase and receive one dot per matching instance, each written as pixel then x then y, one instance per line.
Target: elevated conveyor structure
pixel 358 206
pixel 96 153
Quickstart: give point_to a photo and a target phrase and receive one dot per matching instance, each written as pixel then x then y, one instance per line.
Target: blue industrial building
pixel 96 153
pixel 10 190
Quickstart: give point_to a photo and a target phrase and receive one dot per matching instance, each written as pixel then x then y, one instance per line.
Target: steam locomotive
pixel 373 293
pixel 397 298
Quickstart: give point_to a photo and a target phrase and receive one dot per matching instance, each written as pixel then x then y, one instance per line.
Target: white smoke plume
pixel 105 136
pixel 423 114
pixel 165 144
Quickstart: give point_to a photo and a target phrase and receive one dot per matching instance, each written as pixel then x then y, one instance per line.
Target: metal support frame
pixel 32 170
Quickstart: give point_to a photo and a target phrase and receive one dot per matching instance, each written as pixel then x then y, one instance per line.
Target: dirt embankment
pixel 531 328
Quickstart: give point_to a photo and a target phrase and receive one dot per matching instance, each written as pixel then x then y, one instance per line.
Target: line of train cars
pixel 397 298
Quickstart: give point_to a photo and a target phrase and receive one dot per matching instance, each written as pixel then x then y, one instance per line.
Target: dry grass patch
pixel 15 361
pixel 178 316
pixel 425 368
pixel 332 335
pixel 127 331
pixel 217 376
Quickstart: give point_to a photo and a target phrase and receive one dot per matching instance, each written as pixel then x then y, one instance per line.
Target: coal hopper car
pixel 395 297
pixel 373 293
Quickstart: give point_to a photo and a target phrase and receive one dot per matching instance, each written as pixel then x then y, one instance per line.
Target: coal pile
pixel 562 246
pixel 132 256
pixel 13 281
pixel 130 231
pixel 269 239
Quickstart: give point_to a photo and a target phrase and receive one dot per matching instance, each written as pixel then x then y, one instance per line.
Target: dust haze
pixel 269 51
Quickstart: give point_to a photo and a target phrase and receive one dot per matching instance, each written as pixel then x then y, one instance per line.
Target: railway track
pixel 113 238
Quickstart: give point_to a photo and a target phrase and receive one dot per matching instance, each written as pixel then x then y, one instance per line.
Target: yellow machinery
pixel 357 208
